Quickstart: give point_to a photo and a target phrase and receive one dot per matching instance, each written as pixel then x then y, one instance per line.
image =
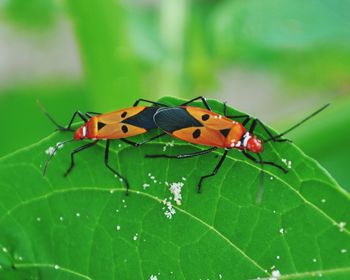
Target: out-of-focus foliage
pixel 132 49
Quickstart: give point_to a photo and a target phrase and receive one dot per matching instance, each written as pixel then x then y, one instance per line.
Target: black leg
pixel 60 127
pixel 76 114
pixel 271 137
pixel 249 156
pixel 204 101
pixel 148 101
pixel 113 170
pixel 90 114
pixel 77 150
pixel 135 144
pixel 233 116
pixel 216 169
pixel 183 155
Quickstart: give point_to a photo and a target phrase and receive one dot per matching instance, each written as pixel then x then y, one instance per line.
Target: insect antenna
pixel 53 152
pixel 298 124
pixel 59 127
pixel 261 189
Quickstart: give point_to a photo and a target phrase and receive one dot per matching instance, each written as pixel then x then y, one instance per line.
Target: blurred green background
pixel 278 60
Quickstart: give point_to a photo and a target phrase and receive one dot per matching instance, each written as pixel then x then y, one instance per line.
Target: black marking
pixel 196 133
pixel 225 132
pixel 205 117
pixel 123 115
pixel 100 125
pixel 175 118
pixel 125 129
pixel 143 119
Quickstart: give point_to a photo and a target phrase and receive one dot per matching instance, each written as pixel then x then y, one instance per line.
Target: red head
pixel 252 143
pixel 80 133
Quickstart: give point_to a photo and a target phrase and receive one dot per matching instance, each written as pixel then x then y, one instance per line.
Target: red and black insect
pixel 118 124
pixel 205 127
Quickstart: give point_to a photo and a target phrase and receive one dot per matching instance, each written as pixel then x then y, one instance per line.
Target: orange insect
pixel 118 124
pixel 205 127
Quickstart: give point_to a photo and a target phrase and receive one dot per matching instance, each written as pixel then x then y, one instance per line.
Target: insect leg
pixel 233 117
pixel 90 114
pixel 112 169
pixel 135 144
pixel 77 150
pixel 249 156
pixel 216 169
pixel 148 101
pixel 181 156
pixel 204 101
pixel 271 137
pixel 60 127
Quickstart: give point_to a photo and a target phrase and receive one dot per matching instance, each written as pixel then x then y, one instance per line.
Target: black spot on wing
pixel 172 119
pixel 196 133
pixel 123 115
pixel 100 125
pixel 125 129
pixel 225 132
pixel 205 117
pixel 143 119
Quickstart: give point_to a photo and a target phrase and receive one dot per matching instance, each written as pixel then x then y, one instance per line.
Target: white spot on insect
pixel 57 266
pixel 118 227
pixel 38 219
pixel 135 237
pixel 77 214
pixel 314 260
pixel 175 189
pixel 275 275
pixel 84 131
pixel 246 138
pixel 153 277
pixel 145 186
pixel 323 200
pixel 220 117
pixel 341 226
pixel 169 144
pixel 343 251
pixel 287 162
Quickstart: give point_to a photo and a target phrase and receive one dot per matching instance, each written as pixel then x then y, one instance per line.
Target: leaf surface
pixel 85 227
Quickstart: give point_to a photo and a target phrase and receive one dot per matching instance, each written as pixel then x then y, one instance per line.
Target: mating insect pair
pixel 192 124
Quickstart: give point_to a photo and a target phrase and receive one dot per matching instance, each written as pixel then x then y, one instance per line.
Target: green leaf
pixel 85 227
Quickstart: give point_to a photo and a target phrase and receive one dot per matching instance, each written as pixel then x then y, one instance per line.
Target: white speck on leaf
pixel 323 200
pixel 118 227
pixel 153 277
pixel 343 251
pixel 61 219
pixel 275 275
pixel 175 189
pixel 170 211
pixel 77 214
pixel 282 231
pixel 341 226
pixel 314 260
pixel 135 237
pixel 145 186
pixel 56 266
